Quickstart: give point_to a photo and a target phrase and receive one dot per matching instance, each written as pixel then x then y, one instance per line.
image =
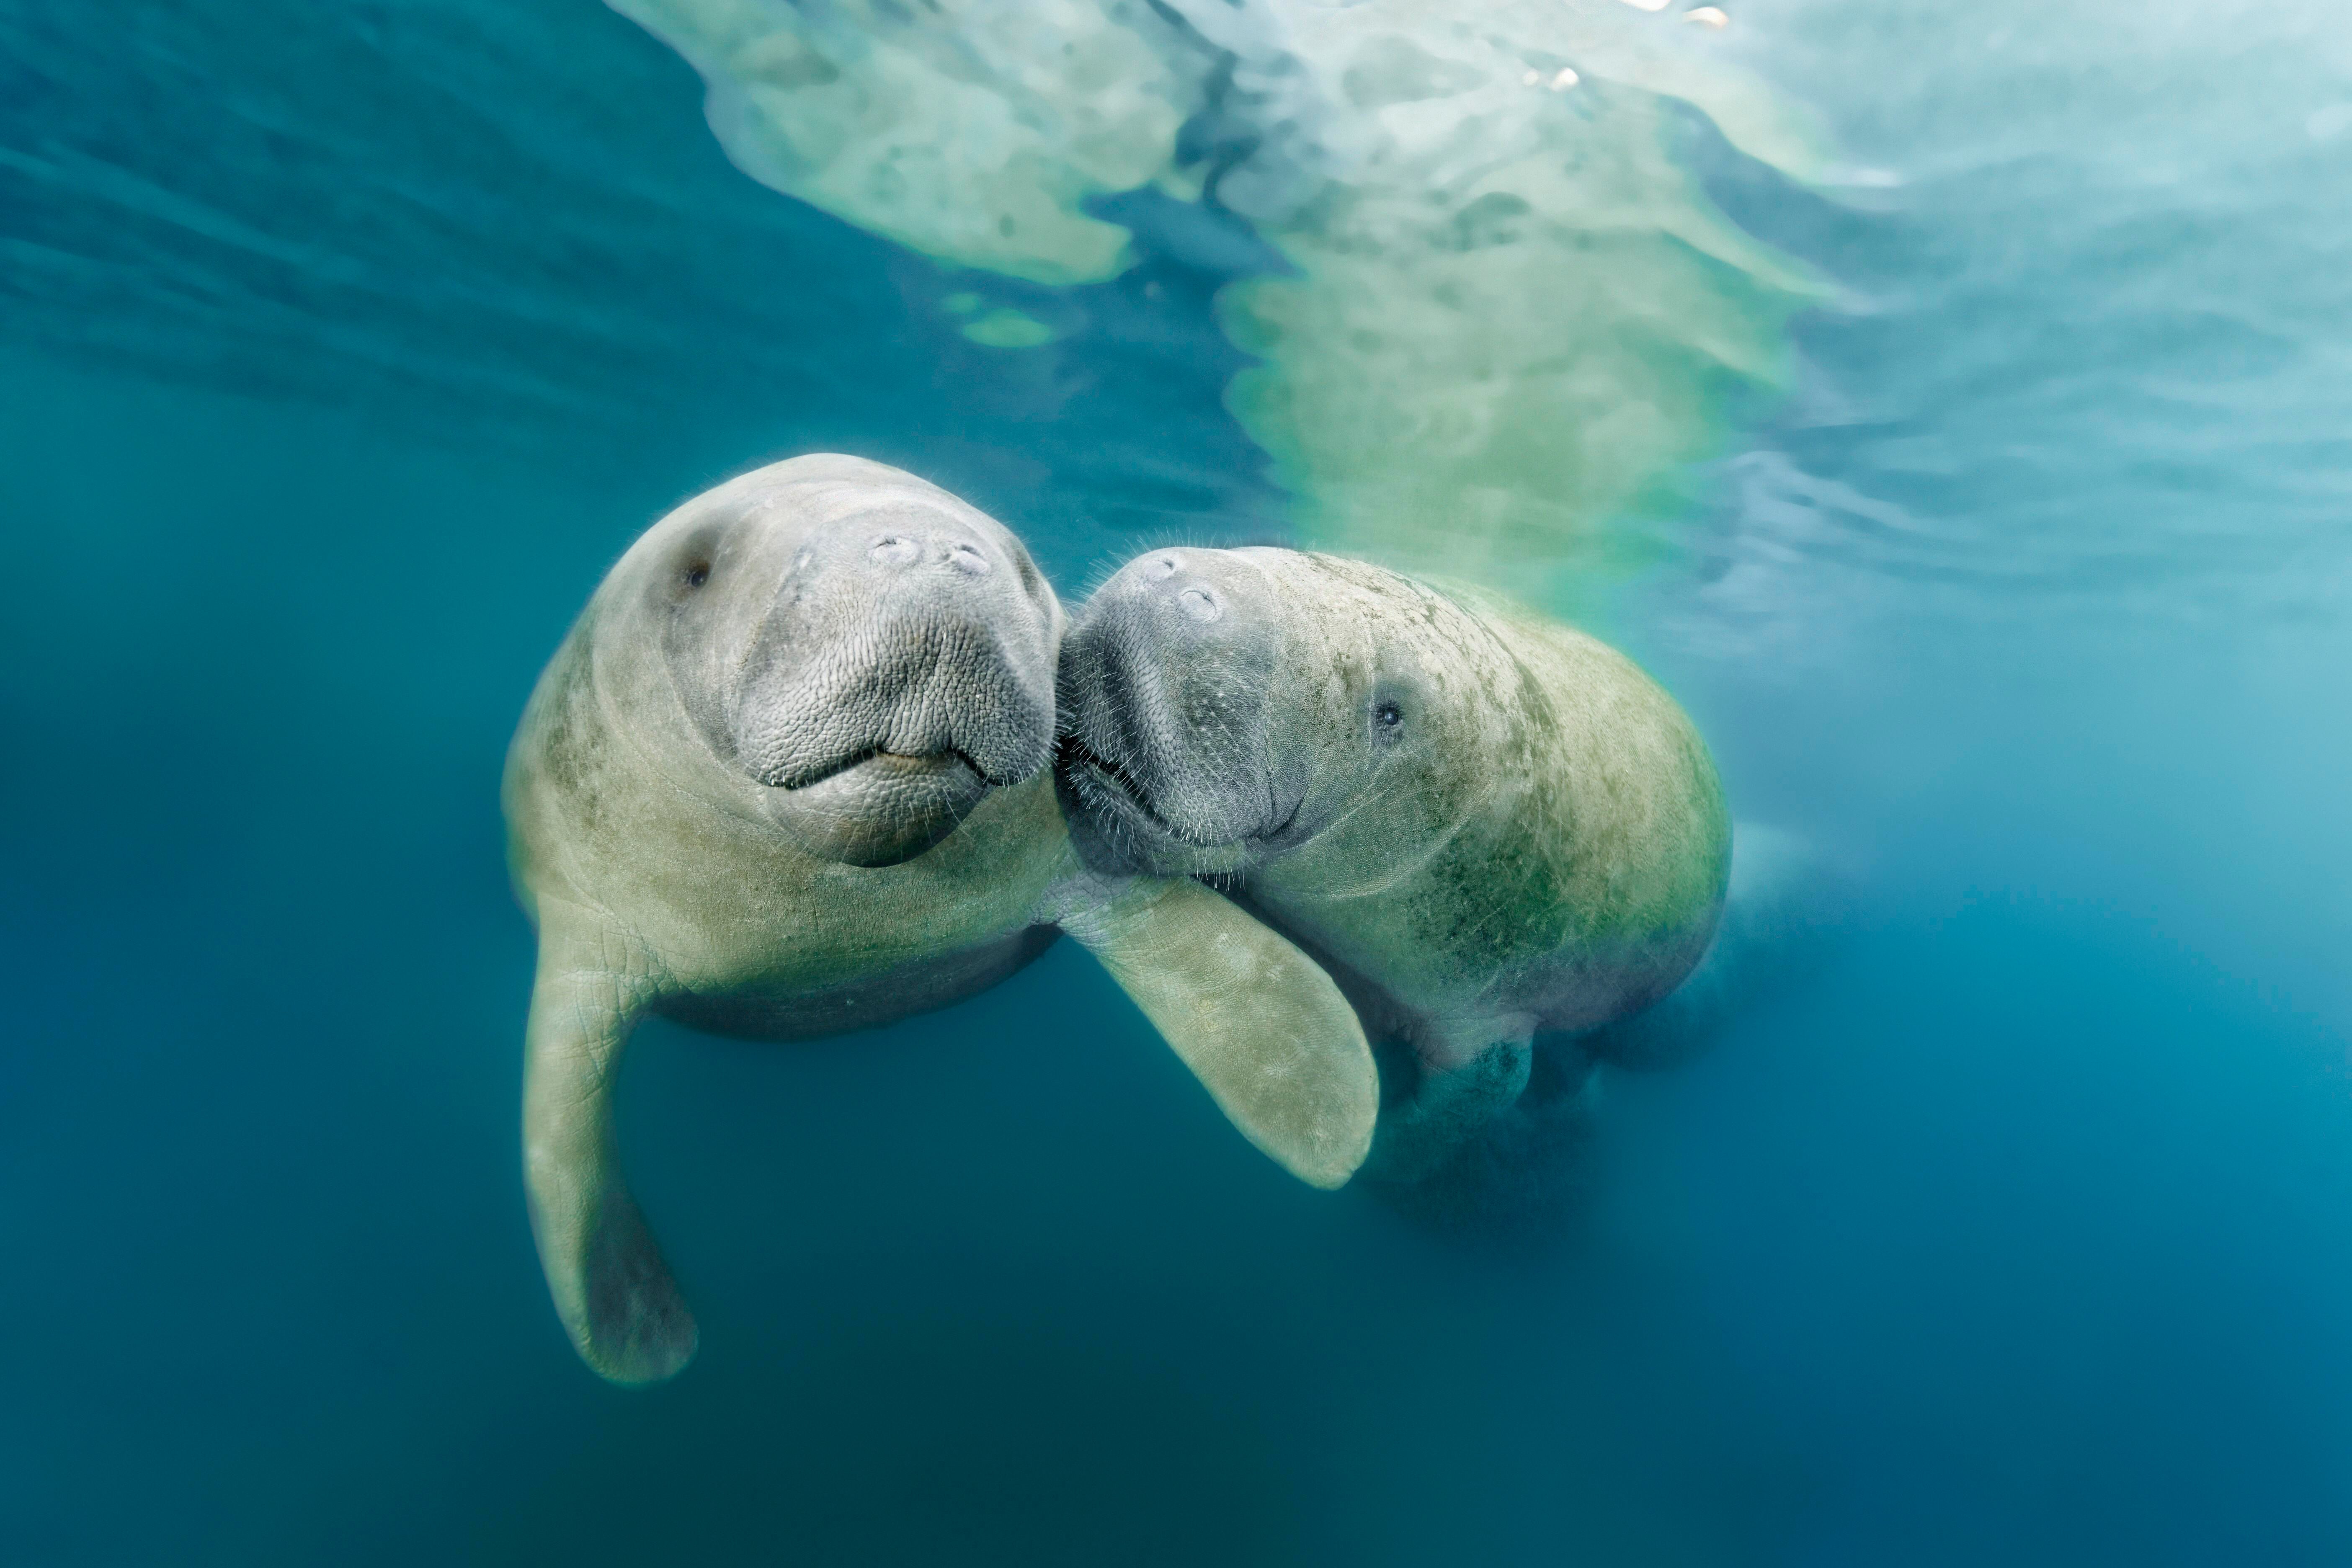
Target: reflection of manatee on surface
pixel 786 777
pixel 1509 313
pixel 1487 826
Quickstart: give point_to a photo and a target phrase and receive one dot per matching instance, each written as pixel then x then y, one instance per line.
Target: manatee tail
pixel 612 1290
pixel 1260 1024
pixel 1446 1110
pixel 1784 900
pixel 1522 1178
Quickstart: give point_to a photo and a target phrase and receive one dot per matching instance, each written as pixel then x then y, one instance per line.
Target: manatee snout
pixel 1165 753
pixel 877 667
pixel 902 671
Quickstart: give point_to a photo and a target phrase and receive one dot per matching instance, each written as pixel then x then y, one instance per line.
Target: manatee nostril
pixel 969 561
pixel 1160 568
pixel 896 550
pixel 1199 604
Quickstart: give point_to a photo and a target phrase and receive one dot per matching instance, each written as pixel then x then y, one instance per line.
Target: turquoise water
pixel 1977 477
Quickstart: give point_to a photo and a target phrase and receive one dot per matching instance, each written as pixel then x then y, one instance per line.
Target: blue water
pixel 342 348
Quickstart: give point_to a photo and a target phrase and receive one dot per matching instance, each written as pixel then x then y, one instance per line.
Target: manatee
pixel 1484 824
pixel 787 776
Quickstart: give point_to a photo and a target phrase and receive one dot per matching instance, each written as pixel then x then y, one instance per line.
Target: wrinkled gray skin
pixel 1485 825
pixel 786 777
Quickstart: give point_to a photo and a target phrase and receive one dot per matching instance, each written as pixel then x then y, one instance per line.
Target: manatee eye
pixel 1388 721
pixel 691 561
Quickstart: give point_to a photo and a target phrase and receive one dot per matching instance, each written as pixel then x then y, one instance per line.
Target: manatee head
pixel 1219 708
pixel 870 652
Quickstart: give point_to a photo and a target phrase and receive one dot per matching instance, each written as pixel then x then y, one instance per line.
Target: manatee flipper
pixel 1260 1024
pixel 1449 1108
pixel 612 1290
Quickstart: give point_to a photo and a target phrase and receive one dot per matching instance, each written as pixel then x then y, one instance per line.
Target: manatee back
pixel 1566 850
pixel 1629 817
pixel 555 771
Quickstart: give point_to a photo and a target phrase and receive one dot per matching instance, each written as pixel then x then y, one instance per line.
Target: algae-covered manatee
pixel 1485 824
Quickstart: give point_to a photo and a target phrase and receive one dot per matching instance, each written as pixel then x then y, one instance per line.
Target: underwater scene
pixel 1855 1076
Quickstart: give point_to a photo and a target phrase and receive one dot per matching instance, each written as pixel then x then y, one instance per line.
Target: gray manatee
pixel 787 776
pixel 1484 824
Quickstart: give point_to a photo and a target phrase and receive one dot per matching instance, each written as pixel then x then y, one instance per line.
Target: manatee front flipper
pixel 612 1289
pixel 1448 1107
pixel 1259 1023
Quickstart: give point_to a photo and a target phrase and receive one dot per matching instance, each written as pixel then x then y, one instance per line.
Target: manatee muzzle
pixel 902 672
pixel 1164 687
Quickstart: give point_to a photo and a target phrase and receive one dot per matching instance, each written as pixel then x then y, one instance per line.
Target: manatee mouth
pixel 875 807
pixel 1103 783
pixel 882 763
pixel 1106 785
